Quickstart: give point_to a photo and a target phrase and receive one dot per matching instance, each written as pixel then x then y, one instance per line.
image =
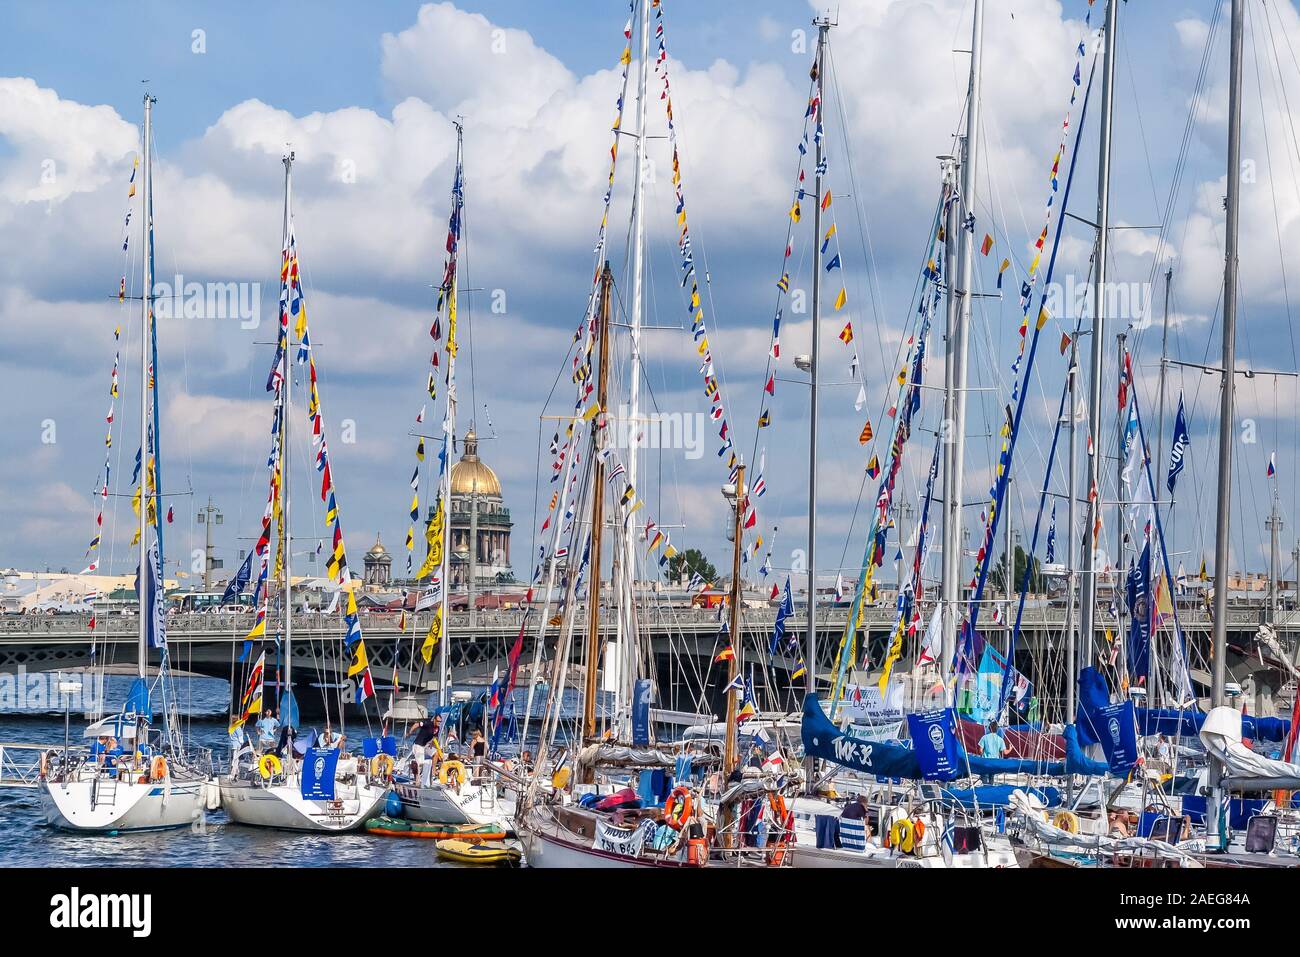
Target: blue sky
pixel 372 87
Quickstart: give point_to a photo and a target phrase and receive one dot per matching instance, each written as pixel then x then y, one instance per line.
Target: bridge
pixel 683 643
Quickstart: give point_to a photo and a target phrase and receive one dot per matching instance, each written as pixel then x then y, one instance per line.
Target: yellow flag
pixel 841 299
pixel 592 412
pixel 359 661
pixel 431 639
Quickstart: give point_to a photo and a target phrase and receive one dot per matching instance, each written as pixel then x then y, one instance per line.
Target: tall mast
pixel 1088 607
pixel 448 435
pixel 810 679
pixel 951 537
pixel 597 516
pixel 1229 363
pixel 286 455
pixel 730 757
pixel 960 341
pixel 146 449
pixel 627 603
pixel 1164 361
pixel 1071 646
pixel 1219 651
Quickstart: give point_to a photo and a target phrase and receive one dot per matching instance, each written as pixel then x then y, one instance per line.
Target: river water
pixel 25 840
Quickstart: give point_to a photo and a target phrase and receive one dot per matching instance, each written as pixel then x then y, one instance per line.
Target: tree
pixel 691 562
pixel 998 576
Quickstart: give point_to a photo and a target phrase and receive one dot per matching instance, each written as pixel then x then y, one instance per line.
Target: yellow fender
pixel 1066 821
pixel 269 766
pixel 902 835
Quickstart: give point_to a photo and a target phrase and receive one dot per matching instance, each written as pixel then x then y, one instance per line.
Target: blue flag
pixel 782 613
pixel 1051 538
pixel 239 582
pixel 1178 449
pixel 1139 609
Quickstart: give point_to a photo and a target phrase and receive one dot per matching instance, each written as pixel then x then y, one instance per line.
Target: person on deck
pixel 268 730
pixel 328 738
pixel 992 745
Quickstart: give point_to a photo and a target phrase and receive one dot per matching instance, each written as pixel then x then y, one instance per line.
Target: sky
pixel 365 96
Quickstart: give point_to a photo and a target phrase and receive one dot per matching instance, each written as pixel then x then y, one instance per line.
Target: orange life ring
pixel 158 768
pixel 781 819
pixel 679 808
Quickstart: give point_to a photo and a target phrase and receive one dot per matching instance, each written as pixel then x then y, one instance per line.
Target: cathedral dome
pixel 471 474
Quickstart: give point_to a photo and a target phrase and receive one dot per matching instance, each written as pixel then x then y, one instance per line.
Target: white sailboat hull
pixel 282 806
pixel 99 806
pixel 440 804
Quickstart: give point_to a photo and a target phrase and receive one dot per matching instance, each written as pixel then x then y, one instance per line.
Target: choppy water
pixel 25 840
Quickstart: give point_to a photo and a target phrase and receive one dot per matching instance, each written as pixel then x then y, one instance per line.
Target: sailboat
pixel 311 788
pixel 431 788
pixel 601 804
pixel 150 781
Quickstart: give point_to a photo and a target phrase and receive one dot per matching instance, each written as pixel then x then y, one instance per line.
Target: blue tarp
pixel 1095 694
pixel 896 760
pixel 998 795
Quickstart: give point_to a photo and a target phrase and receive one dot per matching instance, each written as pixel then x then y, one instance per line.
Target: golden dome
pixel 471 474
pixel 377 551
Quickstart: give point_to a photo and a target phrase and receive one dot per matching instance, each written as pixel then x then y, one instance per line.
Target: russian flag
pixel 1272 467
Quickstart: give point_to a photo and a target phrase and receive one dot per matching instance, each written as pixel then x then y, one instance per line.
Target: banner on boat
pixel 874 716
pixel 318 774
pixel 935 745
pixel 1118 724
pixel 619 840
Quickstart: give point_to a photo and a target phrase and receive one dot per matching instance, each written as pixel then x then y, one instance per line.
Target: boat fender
pixel 1066 821
pixel 269 766
pixel 903 835
pixel 679 808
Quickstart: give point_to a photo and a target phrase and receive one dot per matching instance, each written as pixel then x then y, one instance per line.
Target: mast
pixel 448 436
pixel 1087 610
pixel 1274 525
pixel 597 518
pixel 1219 650
pixel 959 316
pixel 627 603
pixel 286 456
pixel 1164 362
pixel 1226 410
pixel 810 679
pixel 146 449
pixel 730 756
pixel 1071 646
pixel 951 537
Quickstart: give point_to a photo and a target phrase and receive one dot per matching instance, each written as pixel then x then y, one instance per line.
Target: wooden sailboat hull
pixel 548 844
pixel 88 806
pixel 282 806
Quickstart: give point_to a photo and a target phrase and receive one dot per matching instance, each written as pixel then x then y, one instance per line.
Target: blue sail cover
pixel 137 699
pixel 998 795
pixel 1094 694
pixel 822 739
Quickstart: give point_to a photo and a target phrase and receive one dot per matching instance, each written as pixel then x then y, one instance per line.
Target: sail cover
pixel 822 739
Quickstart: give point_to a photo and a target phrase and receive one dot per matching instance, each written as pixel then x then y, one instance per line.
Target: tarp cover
pixel 896 760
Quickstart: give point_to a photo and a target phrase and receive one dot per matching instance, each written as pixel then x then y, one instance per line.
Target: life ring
pixel 381 766
pixel 448 769
pixel 679 808
pixel 780 820
pixel 158 768
pixel 903 835
pixel 1066 821
pixel 269 766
